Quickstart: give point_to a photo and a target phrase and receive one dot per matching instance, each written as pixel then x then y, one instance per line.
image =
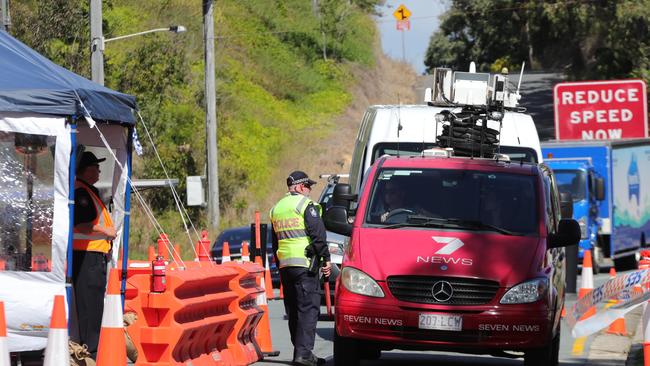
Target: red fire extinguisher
pixel 158 272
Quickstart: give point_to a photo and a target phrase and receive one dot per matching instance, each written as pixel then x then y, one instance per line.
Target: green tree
pixel 588 40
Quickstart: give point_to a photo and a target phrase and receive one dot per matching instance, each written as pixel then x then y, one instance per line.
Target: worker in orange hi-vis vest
pixel 92 242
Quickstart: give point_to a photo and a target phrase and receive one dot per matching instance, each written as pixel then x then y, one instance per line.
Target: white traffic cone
pixel 4 347
pixel 56 352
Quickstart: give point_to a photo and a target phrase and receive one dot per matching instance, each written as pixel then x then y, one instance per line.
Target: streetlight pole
pixel 97 40
pixel 5 20
pixel 211 116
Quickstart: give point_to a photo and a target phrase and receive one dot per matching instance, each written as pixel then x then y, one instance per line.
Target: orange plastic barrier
pixel 206 316
pixel 243 342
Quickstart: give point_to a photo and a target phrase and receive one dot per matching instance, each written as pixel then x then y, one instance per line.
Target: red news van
pixel 469 258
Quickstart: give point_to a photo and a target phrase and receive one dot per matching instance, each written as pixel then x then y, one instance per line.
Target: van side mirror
pixel 336 217
pixel 568 233
pixel 600 189
pixel 566 205
pixel 336 220
pixel 342 195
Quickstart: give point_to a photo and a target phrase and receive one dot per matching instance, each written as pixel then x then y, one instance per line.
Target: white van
pixel 380 134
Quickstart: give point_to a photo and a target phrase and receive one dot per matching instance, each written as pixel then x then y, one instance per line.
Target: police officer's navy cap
pixel 88 159
pixel 299 177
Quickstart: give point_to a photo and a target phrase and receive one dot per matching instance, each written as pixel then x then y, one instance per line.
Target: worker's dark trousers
pixel 302 302
pixel 89 280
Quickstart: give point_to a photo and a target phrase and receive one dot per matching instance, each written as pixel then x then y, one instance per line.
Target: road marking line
pixel 579 346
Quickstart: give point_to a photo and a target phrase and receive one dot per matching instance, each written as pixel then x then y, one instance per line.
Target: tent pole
pixel 127 214
pixel 71 174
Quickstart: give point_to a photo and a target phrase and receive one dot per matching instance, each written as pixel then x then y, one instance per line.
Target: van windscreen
pixel 516 153
pixel 463 199
pixel 399 149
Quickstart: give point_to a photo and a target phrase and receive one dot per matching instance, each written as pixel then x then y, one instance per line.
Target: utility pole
pixel 5 20
pixel 211 115
pixel 96 42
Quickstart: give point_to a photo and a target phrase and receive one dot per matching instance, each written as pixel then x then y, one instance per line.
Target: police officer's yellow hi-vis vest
pixel 288 218
pixel 93 242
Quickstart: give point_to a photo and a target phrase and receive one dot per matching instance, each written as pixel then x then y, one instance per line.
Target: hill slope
pixel 289 74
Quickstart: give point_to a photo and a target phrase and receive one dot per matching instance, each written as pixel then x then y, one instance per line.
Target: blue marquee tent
pixel 30 82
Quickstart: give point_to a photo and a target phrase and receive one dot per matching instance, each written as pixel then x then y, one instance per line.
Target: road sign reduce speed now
pixel 601 110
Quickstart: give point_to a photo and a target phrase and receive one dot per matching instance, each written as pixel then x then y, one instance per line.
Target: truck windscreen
pixel 572 181
pixel 448 198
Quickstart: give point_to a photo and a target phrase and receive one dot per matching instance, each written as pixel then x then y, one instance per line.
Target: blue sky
pixel 424 21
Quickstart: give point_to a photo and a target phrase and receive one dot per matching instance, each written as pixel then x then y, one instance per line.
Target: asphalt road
pixel 572 351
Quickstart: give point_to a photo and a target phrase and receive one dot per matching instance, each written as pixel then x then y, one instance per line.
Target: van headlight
pixel 360 283
pixel 583 227
pixel 526 292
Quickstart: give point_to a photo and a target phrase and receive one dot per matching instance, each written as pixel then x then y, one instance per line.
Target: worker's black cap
pixel 299 177
pixel 88 159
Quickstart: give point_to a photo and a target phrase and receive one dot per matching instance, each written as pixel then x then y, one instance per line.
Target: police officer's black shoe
pixel 309 361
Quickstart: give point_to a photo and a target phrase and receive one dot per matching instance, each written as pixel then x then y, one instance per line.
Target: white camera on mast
pixel 471 88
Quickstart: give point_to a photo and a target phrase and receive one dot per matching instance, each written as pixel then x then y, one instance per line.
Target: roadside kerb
pixel 610 349
pixel 635 355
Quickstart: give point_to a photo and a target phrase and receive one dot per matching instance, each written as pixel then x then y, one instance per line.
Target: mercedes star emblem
pixel 442 291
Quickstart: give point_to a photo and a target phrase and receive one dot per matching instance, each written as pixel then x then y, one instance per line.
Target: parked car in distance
pixel 235 236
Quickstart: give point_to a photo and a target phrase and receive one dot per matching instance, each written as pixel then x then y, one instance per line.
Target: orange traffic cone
pixel 268 283
pixel 225 253
pixel 56 352
pixel 281 291
pixel 163 246
pixel 202 246
pixel 245 252
pixel 587 285
pixel 2 264
pixel 618 326
pixel 563 313
pixel 152 253
pixel 263 330
pixel 4 347
pixel 112 345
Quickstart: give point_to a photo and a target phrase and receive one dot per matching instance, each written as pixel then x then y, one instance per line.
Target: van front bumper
pixel 502 327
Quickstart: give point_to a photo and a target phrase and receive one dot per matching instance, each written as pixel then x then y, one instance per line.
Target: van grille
pixel 467 291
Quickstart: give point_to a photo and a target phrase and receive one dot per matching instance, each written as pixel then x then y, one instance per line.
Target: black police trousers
pixel 89 281
pixel 302 303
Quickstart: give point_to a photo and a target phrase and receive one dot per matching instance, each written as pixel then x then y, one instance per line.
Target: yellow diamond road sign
pixel 402 13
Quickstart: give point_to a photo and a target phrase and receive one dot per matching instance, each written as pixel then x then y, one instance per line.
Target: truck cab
pixel 469 258
pixel 579 178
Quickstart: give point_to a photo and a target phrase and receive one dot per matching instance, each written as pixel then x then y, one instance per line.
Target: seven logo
pixel 452 244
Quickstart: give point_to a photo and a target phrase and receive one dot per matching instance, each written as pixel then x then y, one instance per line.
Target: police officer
pixel 299 243
pixel 92 240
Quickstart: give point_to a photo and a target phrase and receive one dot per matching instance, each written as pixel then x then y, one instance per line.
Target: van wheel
pixel 369 351
pixel 545 356
pixel 625 263
pixel 346 351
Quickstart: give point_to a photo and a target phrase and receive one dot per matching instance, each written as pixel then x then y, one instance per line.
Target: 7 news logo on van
pixel 443 255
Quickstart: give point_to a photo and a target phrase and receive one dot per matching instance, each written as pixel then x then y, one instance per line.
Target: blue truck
pixel 610 185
